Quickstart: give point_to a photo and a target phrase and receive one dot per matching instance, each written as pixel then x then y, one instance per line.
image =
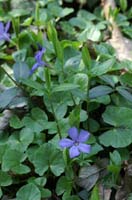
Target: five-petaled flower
pixel 38 58
pixel 76 144
pixel 4 35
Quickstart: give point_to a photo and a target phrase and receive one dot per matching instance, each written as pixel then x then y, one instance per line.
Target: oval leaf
pixel 116 138
pixel 28 192
pixel 118 116
pixel 21 71
pixel 100 90
pixel 102 68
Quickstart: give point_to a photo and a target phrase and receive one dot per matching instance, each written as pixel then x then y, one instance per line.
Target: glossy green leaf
pixel 123 4
pixel 95 193
pixel 124 92
pixel 13 160
pixel 115 158
pixel 52 34
pixel 103 67
pixel 53 161
pixel 45 193
pixel 5 179
pixel 65 87
pixel 86 57
pixel 63 185
pixel 126 79
pixel 21 71
pixel 117 138
pixel 15 122
pixel 28 192
pixel 19 56
pixel 118 116
pixel 21 169
pixel 100 90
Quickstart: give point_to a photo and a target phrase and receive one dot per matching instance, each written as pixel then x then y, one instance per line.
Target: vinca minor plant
pixel 65 108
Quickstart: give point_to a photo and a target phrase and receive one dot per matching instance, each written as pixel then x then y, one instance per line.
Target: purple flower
pixel 38 58
pixel 76 143
pixel 4 35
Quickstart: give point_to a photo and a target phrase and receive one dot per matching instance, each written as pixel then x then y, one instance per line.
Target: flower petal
pixel 7 26
pixel 1 28
pixel 39 54
pixel 65 143
pixel 73 133
pixel 1 37
pixel 34 67
pixel 74 152
pixel 83 136
pixel 85 148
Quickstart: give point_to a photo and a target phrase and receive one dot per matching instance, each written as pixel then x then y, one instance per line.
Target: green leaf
pixel 19 56
pixel 26 136
pixel 38 113
pixel 74 117
pixel 40 181
pixel 95 193
pixel 110 79
pixel 118 116
pixel 21 169
pixel 45 193
pixel 86 15
pixel 52 34
pixel 3 148
pixel 124 92
pixel 47 78
pixel 54 160
pixel 103 67
pixel 81 79
pixel 126 79
pixel 123 4
pixel 20 141
pixel 33 84
pixel 100 90
pixel 28 192
pixel 15 122
pixel 63 185
pixel 7 96
pixel 65 87
pixel 13 160
pixel 67 196
pixel 60 110
pixel 93 125
pixel 86 57
pixel 116 138
pixel 72 63
pixel 115 158
pixel 93 34
pixel 1 193
pixel 65 12
pixel 21 71
pixel 19 12
pixel 5 179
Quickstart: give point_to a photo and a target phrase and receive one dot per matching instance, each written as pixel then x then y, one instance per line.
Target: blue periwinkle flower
pixel 38 57
pixel 76 144
pixel 4 35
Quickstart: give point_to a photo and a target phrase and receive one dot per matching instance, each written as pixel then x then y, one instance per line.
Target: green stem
pixel 88 100
pixel 12 79
pixel 14 43
pixel 57 123
pixel 74 102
